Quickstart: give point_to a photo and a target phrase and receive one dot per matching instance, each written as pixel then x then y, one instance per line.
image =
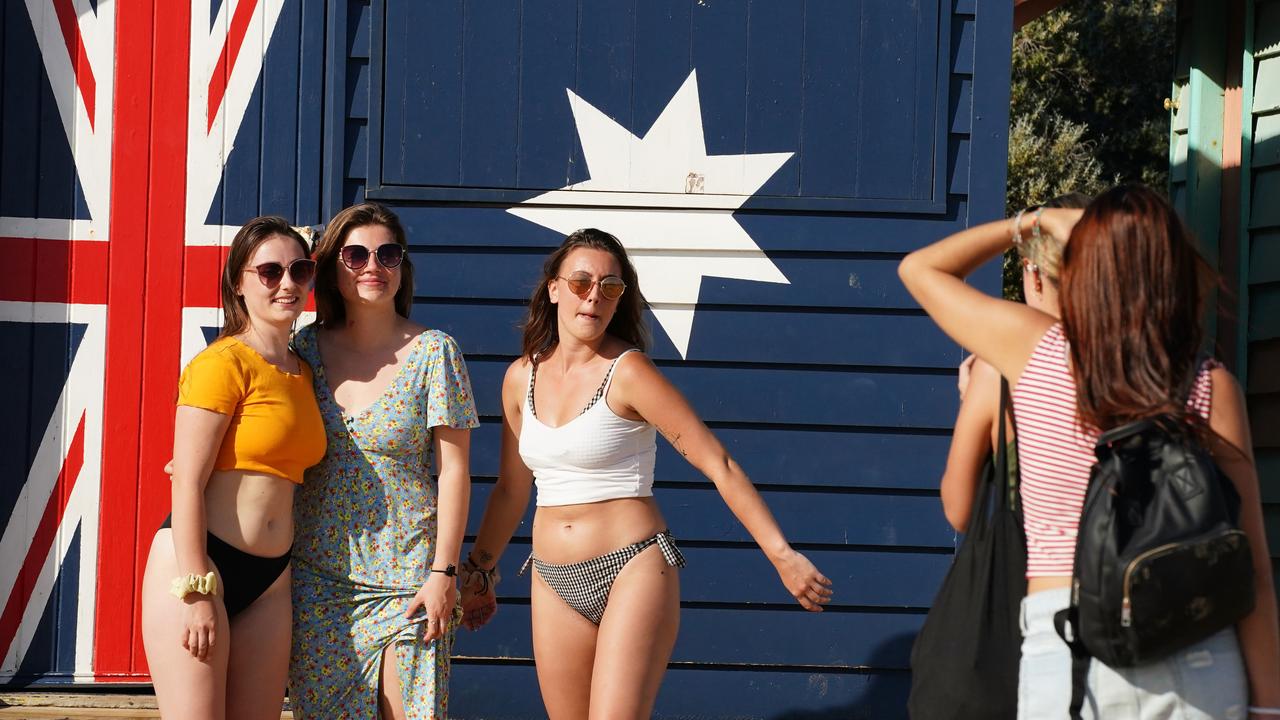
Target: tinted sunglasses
pixel 390 255
pixel 302 271
pixel 580 283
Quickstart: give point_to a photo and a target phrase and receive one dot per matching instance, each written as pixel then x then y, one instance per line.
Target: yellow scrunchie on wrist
pixel 183 585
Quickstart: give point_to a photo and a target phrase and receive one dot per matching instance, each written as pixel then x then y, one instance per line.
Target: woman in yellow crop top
pixel 215 595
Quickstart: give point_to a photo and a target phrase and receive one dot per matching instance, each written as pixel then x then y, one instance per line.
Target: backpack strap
pixel 1002 449
pixel 1065 622
pixel 1011 481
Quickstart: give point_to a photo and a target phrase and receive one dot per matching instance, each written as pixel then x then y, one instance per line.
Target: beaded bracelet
pixel 1015 230
pixel 1035 225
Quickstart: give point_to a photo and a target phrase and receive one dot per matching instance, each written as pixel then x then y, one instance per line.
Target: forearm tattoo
pixel 674 439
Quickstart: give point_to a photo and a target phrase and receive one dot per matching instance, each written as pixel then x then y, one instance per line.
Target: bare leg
pixel 564 647
pixel 185 687
pixel 636 637
pixel 258 669
pixel 390 696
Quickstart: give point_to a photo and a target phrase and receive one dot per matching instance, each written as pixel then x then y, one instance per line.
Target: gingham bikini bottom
pixel 585 586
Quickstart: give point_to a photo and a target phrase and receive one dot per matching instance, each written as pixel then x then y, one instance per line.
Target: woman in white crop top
pixel 581 410
pixel 1132 295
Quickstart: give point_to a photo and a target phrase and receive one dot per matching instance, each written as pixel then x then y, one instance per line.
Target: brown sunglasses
pixel 580 284
pixel 301 271
pixel 389 255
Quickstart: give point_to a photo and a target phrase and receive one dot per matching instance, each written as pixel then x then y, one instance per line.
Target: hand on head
pixel 1058 222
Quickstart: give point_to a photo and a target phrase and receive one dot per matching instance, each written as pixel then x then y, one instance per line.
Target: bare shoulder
pixel 514 383
pixel 635 370
pixel 1228 418
pixel 517 373
pixel 1227 396
pixel 1223 382
pixel 409 330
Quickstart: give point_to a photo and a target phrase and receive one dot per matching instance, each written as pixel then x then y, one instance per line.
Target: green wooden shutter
pixel 1260 250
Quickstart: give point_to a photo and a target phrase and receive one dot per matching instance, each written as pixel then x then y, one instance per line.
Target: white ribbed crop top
pixel 593 457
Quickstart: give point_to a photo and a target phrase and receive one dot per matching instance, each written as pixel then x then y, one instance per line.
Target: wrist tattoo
pixel 484 557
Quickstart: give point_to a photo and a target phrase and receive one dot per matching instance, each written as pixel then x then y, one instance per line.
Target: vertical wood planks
pixel 490 93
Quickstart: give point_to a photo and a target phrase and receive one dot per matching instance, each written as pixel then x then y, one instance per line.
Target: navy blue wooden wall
pixel 833 390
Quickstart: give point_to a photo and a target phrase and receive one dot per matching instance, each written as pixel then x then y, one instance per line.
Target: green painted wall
pixel 1196 187
pixel 1260 245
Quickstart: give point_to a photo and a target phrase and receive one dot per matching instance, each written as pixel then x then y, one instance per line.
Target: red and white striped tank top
pixel 1055 455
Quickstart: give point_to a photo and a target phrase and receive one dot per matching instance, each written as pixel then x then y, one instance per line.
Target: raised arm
pixel 970 444
pixel 197 436
pixel 640 388
pixel 1232 449
pixel 508 499
pixel 1003 333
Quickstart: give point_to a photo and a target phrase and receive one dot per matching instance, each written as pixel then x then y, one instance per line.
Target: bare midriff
pixel 573 533
pixel 250 511
pixel 1040 584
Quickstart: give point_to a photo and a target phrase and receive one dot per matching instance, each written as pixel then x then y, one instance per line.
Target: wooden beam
pixel 1024 11
pixel 1230 248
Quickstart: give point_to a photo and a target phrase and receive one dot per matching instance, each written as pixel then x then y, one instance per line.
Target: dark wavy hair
pixel 1133 294
pixel 330 310
pixel 235 316
pixel 541 331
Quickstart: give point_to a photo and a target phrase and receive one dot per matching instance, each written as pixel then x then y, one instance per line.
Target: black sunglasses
pixel 302 271
pixel 390 255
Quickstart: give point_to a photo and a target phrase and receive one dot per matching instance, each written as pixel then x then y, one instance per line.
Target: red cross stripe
pixel 131 266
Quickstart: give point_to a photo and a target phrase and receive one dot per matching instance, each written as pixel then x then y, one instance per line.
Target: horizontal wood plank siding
pixel 833 390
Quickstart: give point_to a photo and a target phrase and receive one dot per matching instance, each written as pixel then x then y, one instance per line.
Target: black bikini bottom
pixel 244 577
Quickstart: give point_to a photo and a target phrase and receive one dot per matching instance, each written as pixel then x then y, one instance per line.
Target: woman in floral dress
pixel 374 595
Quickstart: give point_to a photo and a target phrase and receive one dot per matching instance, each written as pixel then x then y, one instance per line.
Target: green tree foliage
pixel 1086 112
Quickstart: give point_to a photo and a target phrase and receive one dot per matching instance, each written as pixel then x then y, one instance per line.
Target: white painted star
pixel 671 247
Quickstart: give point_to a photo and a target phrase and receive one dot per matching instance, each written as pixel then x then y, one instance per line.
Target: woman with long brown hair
pixel 581 408
pixel 215 594
pixel 1132 296
pixel 376 605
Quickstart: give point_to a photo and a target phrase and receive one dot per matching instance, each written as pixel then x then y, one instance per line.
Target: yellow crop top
pixel 275 426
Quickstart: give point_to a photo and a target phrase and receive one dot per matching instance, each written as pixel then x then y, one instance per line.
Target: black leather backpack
pixel 1161 562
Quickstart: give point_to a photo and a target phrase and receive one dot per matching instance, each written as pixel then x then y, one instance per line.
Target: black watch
pixel 450 571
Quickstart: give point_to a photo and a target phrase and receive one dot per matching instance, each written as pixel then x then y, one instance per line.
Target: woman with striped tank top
pixel 1132 295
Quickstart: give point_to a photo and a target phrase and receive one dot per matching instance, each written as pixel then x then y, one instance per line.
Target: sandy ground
pixel 41 705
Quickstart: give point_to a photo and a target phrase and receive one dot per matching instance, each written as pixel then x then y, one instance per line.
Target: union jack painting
pixel 95 290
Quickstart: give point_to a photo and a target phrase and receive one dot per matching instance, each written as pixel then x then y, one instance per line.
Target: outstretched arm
pixel 638 386
pixel 1003 333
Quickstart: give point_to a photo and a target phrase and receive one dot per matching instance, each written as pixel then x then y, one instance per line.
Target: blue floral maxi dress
pixel 365 539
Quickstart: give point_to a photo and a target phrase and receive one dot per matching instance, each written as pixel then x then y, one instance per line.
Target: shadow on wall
pixel 883 695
